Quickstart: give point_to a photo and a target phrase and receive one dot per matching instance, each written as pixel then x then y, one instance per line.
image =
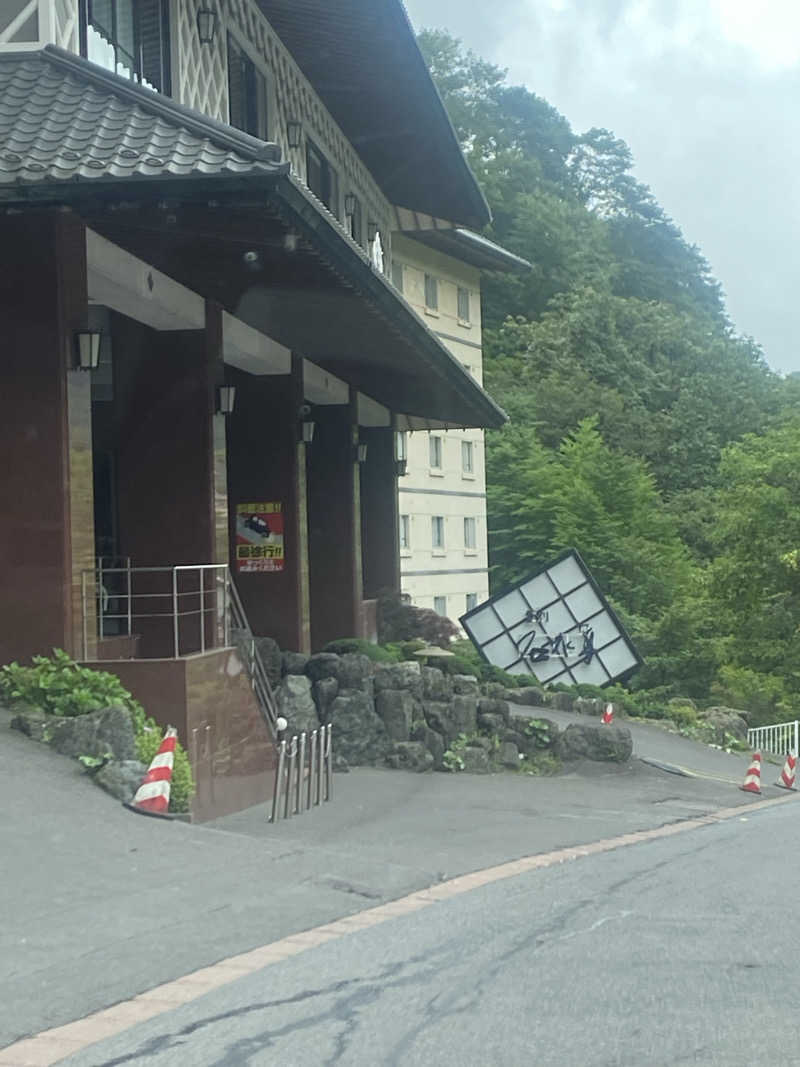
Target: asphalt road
pixel 675 951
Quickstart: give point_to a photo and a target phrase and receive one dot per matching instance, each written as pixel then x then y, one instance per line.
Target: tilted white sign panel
pixel 556 625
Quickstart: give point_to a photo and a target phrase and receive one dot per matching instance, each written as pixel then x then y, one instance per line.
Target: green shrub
pixel 682 715
pixel 182 788
pixel 377 653
pixel 57 685
pixel 540 764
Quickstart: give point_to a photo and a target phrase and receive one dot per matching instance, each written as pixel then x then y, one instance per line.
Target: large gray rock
pixel 476 760
pixel 464 711
pixel 355 672
pixel 491 724
pixel 296 703
pixel 322 665
pixel 492 706
pixel 466 685
pixel 723 720
pixel 436 685
pixel 358 732
pixel 31 722
pixel 539 734
pixel 270 654
pixel 396 709
pixel 121 778
pixel 509 755
pixel 494 690
pixel 593 741
pixel 410 756
pixel 293 663
pixel 433 741
pixel 399 676
pixel 560 701
pixel 588 706
pixel 530 695
pixel 324 693
pixel 99 733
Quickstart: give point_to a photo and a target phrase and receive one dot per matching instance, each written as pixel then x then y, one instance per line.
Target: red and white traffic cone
pixel 752 780
pixel 608 715
pixel 152 796
pixel 786 780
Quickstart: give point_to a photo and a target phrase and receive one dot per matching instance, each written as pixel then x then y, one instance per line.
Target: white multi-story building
pixel 442 497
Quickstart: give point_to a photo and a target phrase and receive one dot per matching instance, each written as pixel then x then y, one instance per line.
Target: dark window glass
pixel 131 38
pixel 354 222
pixel 431 292
pixel 247 92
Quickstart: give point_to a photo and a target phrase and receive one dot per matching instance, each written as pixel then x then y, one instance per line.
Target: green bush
pixel 377 653
pixel 540 764
pixel 182 788
pixel 57 685
pixel 682 715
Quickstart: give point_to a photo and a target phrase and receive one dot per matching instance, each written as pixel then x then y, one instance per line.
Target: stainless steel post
pixel 328 764
pixel 289 775
pixel 312 767
pixel 301 766
pixel 320 765
pixel 276 788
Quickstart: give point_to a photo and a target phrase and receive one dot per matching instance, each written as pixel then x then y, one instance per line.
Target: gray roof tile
pixel 63 119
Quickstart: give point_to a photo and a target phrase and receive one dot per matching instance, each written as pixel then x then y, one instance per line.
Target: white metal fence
pixel 778 739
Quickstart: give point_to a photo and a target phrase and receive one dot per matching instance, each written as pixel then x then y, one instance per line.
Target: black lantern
pixel 206 25
pixel 226 398
pixel 87 349
pixel 294 133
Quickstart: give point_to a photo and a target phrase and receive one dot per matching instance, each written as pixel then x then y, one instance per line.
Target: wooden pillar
pixel 46 517
pixel 335 525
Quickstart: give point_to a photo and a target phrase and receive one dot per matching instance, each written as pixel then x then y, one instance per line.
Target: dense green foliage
pixel 644 431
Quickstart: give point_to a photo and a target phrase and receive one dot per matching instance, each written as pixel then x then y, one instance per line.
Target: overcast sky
pixel 706 93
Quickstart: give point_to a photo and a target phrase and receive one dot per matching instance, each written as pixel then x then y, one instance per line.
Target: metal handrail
pixel 778 739
pixel 255 665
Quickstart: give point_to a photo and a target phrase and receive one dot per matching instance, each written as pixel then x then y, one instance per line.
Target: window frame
pixel 431 289
pixel 328 193
pixel 435 452
pixel 404 534
pixel 470 533
pixel 467 450
pixel 261 97
pixel 473 597
pixel 85 24
pixel 438 544
pixel 462 291
pixel 442 601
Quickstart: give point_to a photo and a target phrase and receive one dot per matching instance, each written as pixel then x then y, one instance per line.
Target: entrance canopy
pixel 218 212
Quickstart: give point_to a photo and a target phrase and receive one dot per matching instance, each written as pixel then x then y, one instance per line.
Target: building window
pixel 131 38
pixel 322 179
pixel 247 92
pixel 405 531
pixel 440 605
pixel 397 275
pixel 470 533
pixel 467 457
pixel 463 304
pixel 472 601
pixel 435 449
pixel 431 292
pixel 437 531
pixel 401 444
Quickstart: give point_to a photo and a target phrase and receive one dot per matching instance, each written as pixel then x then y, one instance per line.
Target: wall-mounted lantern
pixel 307 424
pixel 294 133
pixel 87 349
pixel 206 25
pixel 361 452
pixel 226 398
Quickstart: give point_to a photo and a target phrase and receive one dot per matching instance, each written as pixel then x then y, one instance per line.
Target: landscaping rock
pixel 399 676
pixel 494 690
pixel 476 760
pixel 517 739
pixel 560 701
pixel 539 734
pixel 322 665
pixel 31 722
pixel 324 693
pixel 410 756
pixel 121 778
pixel 466 685
pixel 490 723
pixel 396 709
pixel 271 658
pixel 480 742
pixel 433 741
pixel 593 741
pixel 588 706
pixel 530 695
pixel 509 755
pixel 436 685
pixel 355 672
pixel 492 706
pixel 464 714
pixel 359 735
pixel 296 704
pixel 723 720
pixel 438 716
pixel 99 734
pixel 293 663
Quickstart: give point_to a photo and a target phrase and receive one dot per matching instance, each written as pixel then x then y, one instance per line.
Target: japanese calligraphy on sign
pixel 259 537
pixel 556 625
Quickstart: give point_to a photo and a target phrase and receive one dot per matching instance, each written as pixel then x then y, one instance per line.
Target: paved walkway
pixel 100 904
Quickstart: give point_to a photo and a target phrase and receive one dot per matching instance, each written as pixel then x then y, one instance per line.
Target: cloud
pixel 703 92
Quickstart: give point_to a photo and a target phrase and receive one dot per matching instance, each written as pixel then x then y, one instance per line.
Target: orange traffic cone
pixel 608 715
pixel 152 796
pixel 752 780
pixel 786 780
